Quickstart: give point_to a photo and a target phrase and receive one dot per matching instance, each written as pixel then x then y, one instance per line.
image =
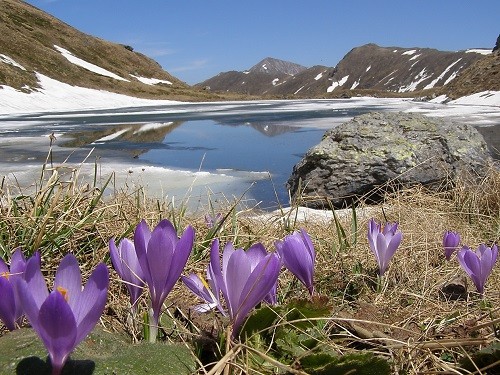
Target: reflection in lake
pixel 233 144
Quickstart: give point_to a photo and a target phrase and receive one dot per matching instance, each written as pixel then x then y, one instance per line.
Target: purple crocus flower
pixel 209 291
pixel 383 242
pixel 211 221
pixel 298 255
pixel 10 306
pixel 126 264
pixel 65 316
pixel 451 240
pixel 245 279
pixel 478 264
pixel 162 256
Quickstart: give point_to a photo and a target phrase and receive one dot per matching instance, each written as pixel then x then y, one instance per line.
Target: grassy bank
pixel 354 320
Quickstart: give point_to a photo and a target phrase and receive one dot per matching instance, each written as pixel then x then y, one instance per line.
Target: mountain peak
pixel 271 65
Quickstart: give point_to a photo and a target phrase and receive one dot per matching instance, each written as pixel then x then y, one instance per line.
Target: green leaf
pixel 351 363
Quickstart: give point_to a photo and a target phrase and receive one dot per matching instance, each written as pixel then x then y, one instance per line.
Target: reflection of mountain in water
pixel 268 128
pixel 134 138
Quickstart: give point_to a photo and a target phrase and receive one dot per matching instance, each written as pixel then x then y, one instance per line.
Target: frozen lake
pixel 196 150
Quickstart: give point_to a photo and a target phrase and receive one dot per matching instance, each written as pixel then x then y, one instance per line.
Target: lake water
pixel 248 148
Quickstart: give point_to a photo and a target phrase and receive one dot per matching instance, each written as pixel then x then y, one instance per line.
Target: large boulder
pixel 356 158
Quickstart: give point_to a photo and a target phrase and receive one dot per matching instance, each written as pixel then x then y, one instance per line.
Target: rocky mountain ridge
pixel 393 70
pixel 34 42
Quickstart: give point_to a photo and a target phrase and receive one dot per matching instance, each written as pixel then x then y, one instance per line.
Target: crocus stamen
pixel 5 274
pixel 63 291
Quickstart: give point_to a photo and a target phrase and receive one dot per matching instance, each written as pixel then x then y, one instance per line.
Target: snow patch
pixel 89 66
pixel 275 81
pixel 367 69
pixel 416 56
pixel 434 81
pixel 420 77
pixel 318 76
pixel 355 84
pixel 410 52
pixel 482 98
pixel 56 96
pixel 6 59
pixel 151 81
pixel 296 92
pixel 481 51
pixel 337 84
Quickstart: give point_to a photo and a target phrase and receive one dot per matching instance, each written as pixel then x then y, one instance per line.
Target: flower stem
pixel 153 326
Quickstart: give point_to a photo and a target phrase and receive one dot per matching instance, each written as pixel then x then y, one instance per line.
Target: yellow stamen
pixel 5 274
pixel 63 291
pixel 203 281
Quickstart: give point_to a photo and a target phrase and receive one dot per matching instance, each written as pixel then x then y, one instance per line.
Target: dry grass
pixel 406 321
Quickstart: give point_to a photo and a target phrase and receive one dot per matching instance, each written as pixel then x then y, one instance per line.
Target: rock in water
pixel 360 157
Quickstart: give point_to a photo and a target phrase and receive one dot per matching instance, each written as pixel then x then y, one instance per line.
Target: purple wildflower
pixel 451 240
pixel 126 264
pixel 298 255
pixel 162 256
pixel 65 316
pixel 245 279
pixel 383 242
pixel 478 264
pixel 10 306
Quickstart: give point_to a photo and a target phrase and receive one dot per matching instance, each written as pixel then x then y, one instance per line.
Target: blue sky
pixel 195 40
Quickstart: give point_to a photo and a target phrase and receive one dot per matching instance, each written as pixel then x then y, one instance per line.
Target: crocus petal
pixel 451 240
pixel 235 278
pixel 255 253
pixel 35 281
pixel 68 276
pixel 298 258
pixel 115 256
pixel 91 302
pixel 214 270
pixel 159 257
pixel 226 255
pixel 470 262
pixel 7 304
pixel 126 264
pixel 57 328
pixel 17 263
pixel 257 286
pixel 182 251
pixel 196 285
pixel 381 246
pixel 142 234
pixel 393 245
pixel 3 267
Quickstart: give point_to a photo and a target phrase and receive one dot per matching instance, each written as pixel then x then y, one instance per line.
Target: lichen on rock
pixel 367 152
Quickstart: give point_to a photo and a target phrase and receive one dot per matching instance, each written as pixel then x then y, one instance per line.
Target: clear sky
pixel 195 40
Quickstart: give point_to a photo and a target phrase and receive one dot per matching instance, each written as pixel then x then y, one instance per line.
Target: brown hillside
pixel 482 75
pixel 29 37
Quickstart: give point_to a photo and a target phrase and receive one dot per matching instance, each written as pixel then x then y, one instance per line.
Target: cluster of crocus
pixel 160 256
pixel 65 316
pixel 478 264
pixel 383 241
pixel 451 240
pixel 245 279
pixel 298 255
pixel 11 310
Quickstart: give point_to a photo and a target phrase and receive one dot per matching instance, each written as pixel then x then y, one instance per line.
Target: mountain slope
pixel 257 80
pixel 34 42
pixel 482 75
pixel 390 70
